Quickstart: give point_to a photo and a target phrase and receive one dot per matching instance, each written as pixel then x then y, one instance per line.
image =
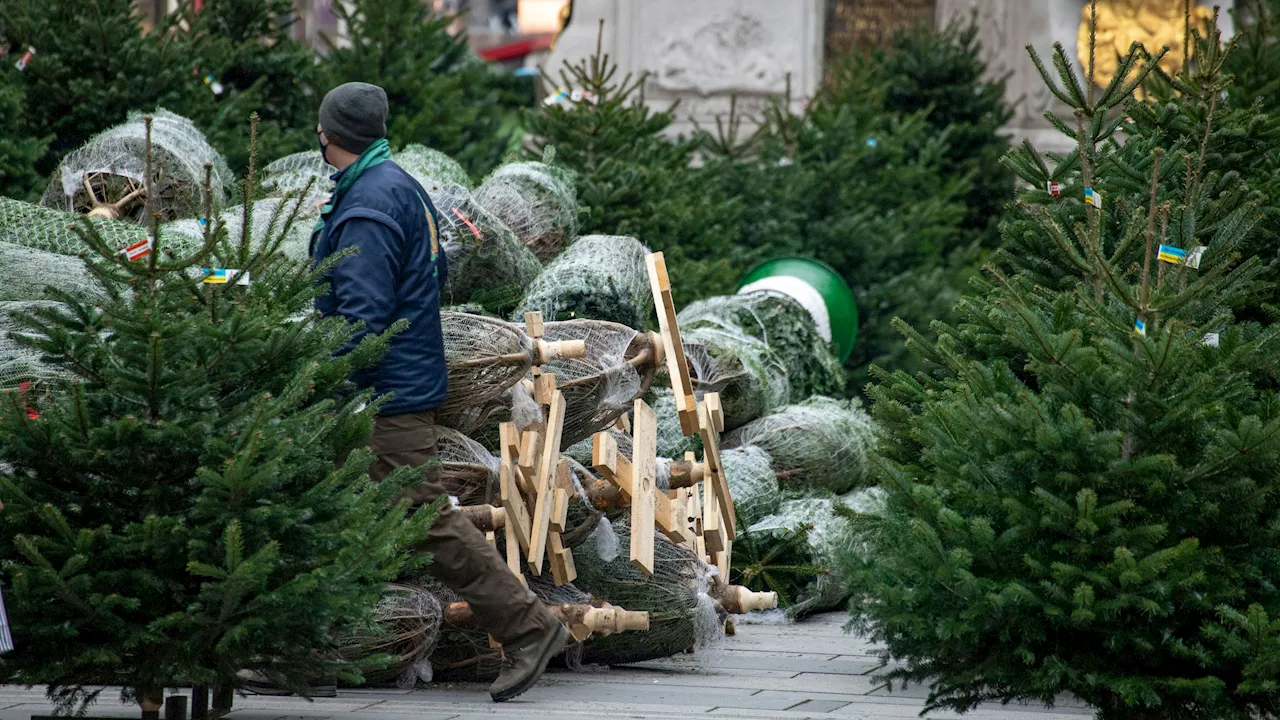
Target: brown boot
pixel 522 668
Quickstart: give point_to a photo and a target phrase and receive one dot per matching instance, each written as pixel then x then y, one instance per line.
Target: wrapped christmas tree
pixel 1081 492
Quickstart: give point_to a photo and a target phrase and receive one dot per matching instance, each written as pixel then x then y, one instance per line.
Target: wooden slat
pixel 669 327
pixel 518 520
pixel 712 532
pixel 563 570
pixel 546 476
pixel 715 471
pixel 619 471
pixel 533 324
pixel 644 469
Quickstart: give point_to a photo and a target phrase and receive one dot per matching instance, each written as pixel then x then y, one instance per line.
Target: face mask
pixel 323 147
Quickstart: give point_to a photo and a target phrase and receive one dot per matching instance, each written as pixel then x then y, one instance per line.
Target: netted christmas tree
pixel 190 499
pixel 1081 492
pixel 632 180
pixel 441 94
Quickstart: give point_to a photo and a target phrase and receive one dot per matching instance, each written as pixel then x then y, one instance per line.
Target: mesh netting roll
pixel 27 272
pixel 752 482
pixel 20 363
pixel 54 231
pixel 681 615
pixel 488 265
pixel 486 356
pixel 811 534
pixel 537 201
pixel 600 387
pixel 290 176
pixel 113 164
pixel 431 168
pixel 268 220
pixel 750 378
pixel 821 443
pixel 785 326
pixel 406 626
pixel 468 471
pixel 601 277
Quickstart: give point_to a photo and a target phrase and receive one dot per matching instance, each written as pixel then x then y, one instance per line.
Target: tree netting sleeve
pixel 820 444
pixel 537 201
pixel 54 231
pixel 599 277
pixel 269 220
pixel 114 164
pixel 682 616
pixel 488 265
pixel 291 175
pixel 749 377
pixel 785 326
pixel 21 363
pixel 27 272
pixel 619 366
pixel 431 168
pixel 405 625
pixel 752 482
pixel 485 357
pixel 672 442
pixel 468 471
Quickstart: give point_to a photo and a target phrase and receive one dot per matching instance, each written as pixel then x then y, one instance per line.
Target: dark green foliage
pixel 247 47
pixel 19 151
pixel 778 561
pixel 941 73
pixel 195 502
pixel 1074 507
pixel 93 65
pixel 632 180
pixel 441 94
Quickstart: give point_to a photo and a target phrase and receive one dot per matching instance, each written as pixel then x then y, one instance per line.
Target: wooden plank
pixel 644 469
pixel 513 556
pixel 714 411
pixel 561 492
pixel 712 533
pixel 669 327
pixel 715 471
pixel 518 520
pixel 530 442
pixel 533 324
pixel 563 570
pixel 544 386
pixel 695 512
pixel 621 473
pixel 724 559
pixel 546 476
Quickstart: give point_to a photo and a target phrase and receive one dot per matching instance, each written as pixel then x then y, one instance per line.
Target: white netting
pixel 752 482
pixel 600 277
pixel 821 443
pixel 269 218
pixel 20 363
pixel 431 168
pixel 829 536
pixel 468 471
pixel 406 626
pixel 113 163
pixel 749 377
pixel 54 231
pixel 672 442
pixel 291 175
pixel 485 357
pixel 27 272
pixel 488 265
pixel 781 323
pixel 598 388
pixel 537 201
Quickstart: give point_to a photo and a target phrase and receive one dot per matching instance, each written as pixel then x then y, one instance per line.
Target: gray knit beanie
pixel 354 116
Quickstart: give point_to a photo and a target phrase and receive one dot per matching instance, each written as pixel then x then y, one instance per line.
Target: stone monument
pixel 703 52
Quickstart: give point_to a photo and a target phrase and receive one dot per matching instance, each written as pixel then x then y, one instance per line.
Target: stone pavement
pixel 807 670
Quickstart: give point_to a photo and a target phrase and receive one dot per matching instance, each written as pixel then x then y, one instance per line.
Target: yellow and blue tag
pixel 1093 197
pixel 1140 327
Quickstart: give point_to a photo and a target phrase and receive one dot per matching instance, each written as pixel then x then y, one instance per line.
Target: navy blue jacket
pixel 397 272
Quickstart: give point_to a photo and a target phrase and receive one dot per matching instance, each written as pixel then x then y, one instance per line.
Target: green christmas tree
pixel 634 180
pixel 441 95
pixel 195 502
pixel 19 152
pixel 1082 489
pixel 92 65
pixel 244 58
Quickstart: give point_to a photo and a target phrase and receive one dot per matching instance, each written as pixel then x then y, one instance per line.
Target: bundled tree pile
pixel 1080 494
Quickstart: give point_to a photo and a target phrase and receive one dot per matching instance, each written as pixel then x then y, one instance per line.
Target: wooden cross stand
pixel 713 539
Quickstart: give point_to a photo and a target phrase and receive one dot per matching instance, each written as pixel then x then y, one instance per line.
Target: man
pixel 396 273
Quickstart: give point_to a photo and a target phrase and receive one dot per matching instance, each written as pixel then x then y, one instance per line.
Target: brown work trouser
pixel 461 557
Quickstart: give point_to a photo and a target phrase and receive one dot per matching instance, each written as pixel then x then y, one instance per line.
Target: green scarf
pixel 378 153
